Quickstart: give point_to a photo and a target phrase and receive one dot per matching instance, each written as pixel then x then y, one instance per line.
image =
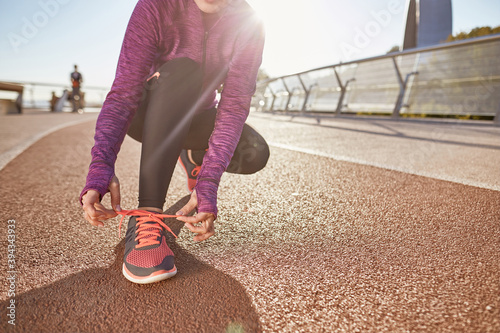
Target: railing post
pixel 402 88
pixel 290 98
pixel 496 120
pixel 32 90
pixel 289 94
pixel 308 94
pixel 19 103
pixel 343 89
pixel 274 98
pixel 306 91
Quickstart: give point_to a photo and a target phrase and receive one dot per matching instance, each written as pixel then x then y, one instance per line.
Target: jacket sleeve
pixel 135 61
pixel 232 112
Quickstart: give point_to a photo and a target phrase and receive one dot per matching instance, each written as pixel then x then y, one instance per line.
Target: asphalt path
pixel 332 236
pixel 20 131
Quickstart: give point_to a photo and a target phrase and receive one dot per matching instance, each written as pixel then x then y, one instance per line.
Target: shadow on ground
pixel 198 299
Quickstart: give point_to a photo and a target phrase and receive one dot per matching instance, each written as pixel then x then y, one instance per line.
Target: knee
pixel 251 155
pixel 260 161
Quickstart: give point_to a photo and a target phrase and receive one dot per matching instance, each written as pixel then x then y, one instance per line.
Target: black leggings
pixel 167 122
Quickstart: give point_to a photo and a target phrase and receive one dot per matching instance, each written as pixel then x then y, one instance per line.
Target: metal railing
pixel 38 95
pixel 459 78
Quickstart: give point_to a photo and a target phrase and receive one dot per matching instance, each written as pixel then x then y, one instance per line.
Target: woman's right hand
pixel 94 210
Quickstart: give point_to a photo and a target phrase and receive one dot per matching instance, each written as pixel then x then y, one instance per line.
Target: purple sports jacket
pixel 230 53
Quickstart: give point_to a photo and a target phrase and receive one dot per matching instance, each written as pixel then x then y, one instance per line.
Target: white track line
pixel 384 166
pixel 15 151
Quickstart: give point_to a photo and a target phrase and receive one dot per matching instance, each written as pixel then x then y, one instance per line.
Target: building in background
pixel 429 22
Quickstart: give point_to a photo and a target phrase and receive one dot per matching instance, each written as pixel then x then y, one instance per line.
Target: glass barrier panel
pixel 457 81
pixel 375 89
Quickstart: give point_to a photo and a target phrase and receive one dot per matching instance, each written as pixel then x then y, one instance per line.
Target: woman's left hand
pixel 203 231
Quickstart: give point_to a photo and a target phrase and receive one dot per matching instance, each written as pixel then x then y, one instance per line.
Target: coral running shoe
pixel 147 257
pixel 190 168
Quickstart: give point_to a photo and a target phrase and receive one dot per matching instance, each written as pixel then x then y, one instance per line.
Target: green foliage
pixel 235 328
pixel 476 32
pixel 393 49
pixel 262 75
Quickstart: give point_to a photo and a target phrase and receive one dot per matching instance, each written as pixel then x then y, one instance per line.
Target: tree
pixel 476 32
pixel 393 49
pixel 262 75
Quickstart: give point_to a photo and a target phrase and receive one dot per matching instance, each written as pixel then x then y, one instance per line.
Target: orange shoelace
pixel 196 171
pixel 147 233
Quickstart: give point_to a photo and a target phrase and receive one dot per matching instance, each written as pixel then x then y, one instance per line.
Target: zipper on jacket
pixel 205 39
pixel 204 58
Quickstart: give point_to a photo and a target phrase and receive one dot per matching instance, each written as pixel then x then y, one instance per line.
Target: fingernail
pixel 118 208
pixel 179 213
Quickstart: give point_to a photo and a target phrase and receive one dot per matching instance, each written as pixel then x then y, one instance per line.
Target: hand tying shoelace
pixel 147 232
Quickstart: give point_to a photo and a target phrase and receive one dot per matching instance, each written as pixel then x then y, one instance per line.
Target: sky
pixel 41 40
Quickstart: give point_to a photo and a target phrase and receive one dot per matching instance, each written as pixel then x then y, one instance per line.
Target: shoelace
pixel 196 171
pixel 146 230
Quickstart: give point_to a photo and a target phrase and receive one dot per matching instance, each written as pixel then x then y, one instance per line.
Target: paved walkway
pixel 19 131
pixel 467 152
pixel 321 240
